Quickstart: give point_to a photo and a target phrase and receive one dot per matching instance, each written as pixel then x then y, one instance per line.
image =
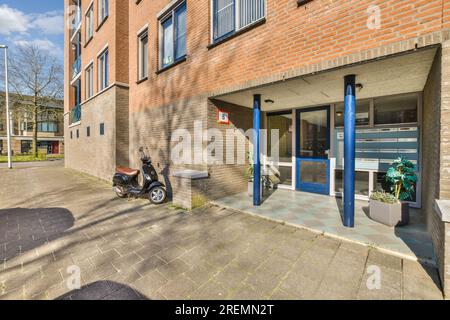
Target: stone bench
pixel 188 187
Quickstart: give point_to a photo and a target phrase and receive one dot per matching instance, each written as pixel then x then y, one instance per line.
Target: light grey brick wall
pixel 98 155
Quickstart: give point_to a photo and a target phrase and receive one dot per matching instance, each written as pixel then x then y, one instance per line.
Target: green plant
pixel 384 197
pixel 401 179
pixel 250 169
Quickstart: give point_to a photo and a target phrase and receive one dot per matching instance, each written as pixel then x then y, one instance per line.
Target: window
pixel 25 146
pixel 47 127
pixel 143 55
pixel 90 81
pixel 225 12
pixel 362 114
pixel 88 131
pixel 78 133
pixel 90 23
pixel 103 10
pixel 103 70
pixel 361 182
pixel 173 42
pixel 102 129
pixel 283 123
pixel 396 109
pixel 71 135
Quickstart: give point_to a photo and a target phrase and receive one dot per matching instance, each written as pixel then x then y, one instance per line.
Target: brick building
pixel 139 70
pixel 50 127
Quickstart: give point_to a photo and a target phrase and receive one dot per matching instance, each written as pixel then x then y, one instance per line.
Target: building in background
pixel 96 86
pixel 50 127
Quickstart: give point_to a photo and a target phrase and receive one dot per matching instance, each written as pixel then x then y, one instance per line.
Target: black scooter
pixel 126 184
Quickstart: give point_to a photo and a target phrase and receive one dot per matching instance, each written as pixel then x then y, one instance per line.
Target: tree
pixel 36 74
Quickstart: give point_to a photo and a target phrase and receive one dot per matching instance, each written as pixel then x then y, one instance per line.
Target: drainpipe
pixel 349 151
pixel 256 150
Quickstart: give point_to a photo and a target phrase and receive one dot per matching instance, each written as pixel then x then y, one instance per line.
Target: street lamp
pixel 8 123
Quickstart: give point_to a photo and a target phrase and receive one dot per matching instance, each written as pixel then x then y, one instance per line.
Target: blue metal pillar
pixel 256 150
pixel 349 151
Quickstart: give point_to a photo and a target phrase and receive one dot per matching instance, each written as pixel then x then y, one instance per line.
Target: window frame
pixel 89 82
pixel 102 4
pixel 103 70
pixel 89 20
pixel 237 27
pixel 373 124
pixel 171 15
pixel 143 73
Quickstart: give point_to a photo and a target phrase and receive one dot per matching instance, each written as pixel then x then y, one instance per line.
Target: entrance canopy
pixel 396 75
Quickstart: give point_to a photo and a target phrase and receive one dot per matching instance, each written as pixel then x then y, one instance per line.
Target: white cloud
pixel 12 20
pixel 43 44
pixel 51 23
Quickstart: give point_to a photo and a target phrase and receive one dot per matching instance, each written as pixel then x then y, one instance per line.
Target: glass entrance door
pixel 313 145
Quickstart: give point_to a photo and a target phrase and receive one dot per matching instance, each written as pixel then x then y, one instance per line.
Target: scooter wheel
pixel 121 193
pixel 157 195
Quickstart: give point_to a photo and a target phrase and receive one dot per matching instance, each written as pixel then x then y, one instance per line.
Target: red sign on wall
pixel 223 117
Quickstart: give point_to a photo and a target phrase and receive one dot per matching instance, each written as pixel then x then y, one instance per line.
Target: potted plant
pixel 391 208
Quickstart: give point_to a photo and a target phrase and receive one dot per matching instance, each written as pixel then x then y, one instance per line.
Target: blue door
pixel 313 145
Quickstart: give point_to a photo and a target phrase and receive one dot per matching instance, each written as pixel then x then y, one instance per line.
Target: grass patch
pixel 30 158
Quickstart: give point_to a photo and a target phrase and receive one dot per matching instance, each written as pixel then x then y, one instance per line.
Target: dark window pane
pixel 282 123
pixel 313 128
pixel 362 113
pixel 396 109
pixel 361 182
pixel 223 18
pixel 102 129
pixel 313 172
pixel 180 22
pixel 167 55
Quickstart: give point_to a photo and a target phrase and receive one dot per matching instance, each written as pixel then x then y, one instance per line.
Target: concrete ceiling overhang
pixel 396 75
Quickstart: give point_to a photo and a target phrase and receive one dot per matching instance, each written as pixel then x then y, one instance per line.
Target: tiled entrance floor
pixel 323 214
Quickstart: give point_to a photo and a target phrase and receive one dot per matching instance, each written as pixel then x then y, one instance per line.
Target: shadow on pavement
pixel 103 290
pixel 24 229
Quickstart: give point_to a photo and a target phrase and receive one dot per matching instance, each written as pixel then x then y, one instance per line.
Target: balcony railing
pixel 75 114
pixel 76 67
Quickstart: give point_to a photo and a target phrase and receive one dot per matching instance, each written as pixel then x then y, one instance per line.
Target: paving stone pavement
pixel 55 221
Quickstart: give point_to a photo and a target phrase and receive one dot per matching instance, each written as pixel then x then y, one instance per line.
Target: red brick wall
pixel 114 32
pixel 292 37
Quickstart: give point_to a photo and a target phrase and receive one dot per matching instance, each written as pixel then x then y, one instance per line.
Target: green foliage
pixel 250 169
pixel 401 179
pixel 384 197
pixel 30 158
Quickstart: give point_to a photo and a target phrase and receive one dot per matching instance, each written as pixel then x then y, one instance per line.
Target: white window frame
pixel 101 9
pixel 169 14
pixel 143 60
pixel 89 74
pixel 102 65
pixel 237 27
pixel 89 18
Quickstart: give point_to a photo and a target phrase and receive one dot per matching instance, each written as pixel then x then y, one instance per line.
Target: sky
pixel 40 22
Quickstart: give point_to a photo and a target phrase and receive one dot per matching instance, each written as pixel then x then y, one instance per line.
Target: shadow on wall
pixel 166 104
pixel 26 229
pixel 103 290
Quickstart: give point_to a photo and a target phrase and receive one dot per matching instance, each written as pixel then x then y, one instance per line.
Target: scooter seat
pixel 127 171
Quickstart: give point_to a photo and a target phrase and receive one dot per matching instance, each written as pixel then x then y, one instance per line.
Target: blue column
pixel 256 150
pixel 349 151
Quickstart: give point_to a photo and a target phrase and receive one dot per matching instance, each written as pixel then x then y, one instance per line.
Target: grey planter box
pixel 389 214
